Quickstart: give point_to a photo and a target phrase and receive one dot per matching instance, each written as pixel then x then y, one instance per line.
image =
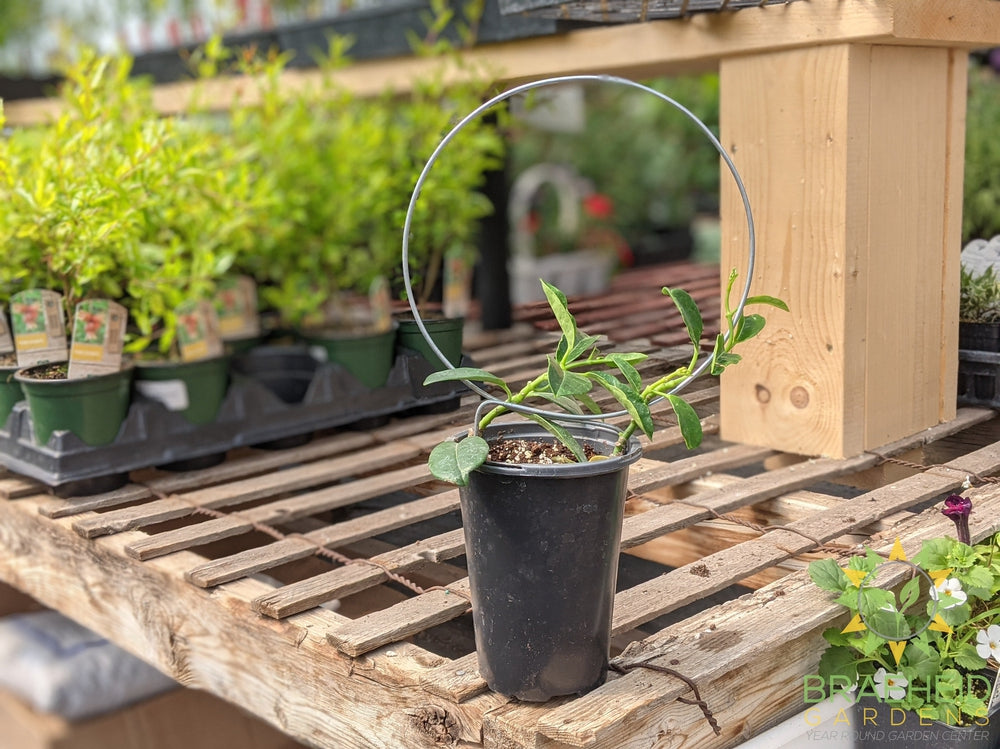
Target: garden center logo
pixel 909 598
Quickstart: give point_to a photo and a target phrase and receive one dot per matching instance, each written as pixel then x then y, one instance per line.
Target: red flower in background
pixel 598 205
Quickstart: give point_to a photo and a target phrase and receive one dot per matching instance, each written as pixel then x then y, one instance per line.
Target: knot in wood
pixel 437 723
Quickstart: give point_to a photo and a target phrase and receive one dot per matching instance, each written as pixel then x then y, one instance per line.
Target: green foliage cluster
pixel 981 203
pixel 979 300
pixel 112 200
pixel 577 367
pixel 343 169
pixel 934 664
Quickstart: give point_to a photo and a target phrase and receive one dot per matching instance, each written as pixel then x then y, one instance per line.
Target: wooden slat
pixel 718 571
pixel 402 620
pixel 280 511
pixel 344 581
pixel 12 487
pixel 259 487
pixel 290 549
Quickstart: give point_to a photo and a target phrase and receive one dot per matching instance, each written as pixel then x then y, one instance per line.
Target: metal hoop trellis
pixel 524 88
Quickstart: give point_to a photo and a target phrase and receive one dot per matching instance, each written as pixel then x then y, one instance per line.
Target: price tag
pixel 198 330
pixel 39 329
pixel 236 307
pixel 6 339
pixel 98 337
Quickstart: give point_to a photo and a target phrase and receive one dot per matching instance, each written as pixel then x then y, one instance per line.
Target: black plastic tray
pixel 251 414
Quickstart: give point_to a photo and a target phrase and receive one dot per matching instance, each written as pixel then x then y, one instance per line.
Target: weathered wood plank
pixel 352 578
pixel 283 672
pixel 402 620
pixel 12 486
pixel 258 487
pixel 290 549
pixel 291 508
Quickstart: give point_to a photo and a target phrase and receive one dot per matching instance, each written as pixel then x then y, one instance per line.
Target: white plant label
pixel 39 329
pixel 171 393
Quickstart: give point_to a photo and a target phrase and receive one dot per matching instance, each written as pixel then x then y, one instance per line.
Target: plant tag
pixel 995 693
pixel 198 330
pixel 98 337
pixel 381 304
pixel 457 283
pixel 39 329
pixel 6 340
pixel 236 306
pixel 171 393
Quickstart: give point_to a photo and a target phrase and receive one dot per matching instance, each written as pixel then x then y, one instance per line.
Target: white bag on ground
pixel 57 666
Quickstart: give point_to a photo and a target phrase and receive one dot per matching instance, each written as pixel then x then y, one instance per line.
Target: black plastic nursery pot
pixel 446 332
pixel 92 408
pixel 285 370
pixel 195 389
pixel 367 356
pixel 979 336
pixel 10 393
pixel 542 544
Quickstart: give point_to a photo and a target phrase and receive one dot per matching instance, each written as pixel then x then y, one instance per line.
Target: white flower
pixel 949 592
pixel 988 642
pixel 892 684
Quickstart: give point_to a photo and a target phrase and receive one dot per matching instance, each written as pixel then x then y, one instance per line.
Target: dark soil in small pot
pixel 92 408
pixel 542 544
pixel 367 355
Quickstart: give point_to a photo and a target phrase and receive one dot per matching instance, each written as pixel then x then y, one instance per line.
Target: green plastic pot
pixel 194 389
pixel 92 408
pixel 446 333
pixel 368 356
pixel 10 393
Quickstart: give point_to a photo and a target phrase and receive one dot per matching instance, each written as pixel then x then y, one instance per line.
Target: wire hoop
pixel 524 88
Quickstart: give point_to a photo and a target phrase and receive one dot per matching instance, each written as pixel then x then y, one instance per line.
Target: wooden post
pixel 852 155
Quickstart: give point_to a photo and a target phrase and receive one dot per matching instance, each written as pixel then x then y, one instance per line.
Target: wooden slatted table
pixel 322 587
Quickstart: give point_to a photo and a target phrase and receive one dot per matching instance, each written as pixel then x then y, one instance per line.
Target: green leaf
pixel 582 346
pixel 766 299
pixel 466 373
pixel 826 574
pixel 454 461
pixel 748 327
pixel 569 405
pixel 690 313
pixel 687 420
pixel 838 661
pixel 564 384
pixel 631 375
pixel 968 658
pixel 630 400
pixel 909 593
pixel 560 310
pixel 924 660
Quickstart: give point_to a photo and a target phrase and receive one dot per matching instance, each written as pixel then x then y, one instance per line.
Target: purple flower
pixel 958 508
